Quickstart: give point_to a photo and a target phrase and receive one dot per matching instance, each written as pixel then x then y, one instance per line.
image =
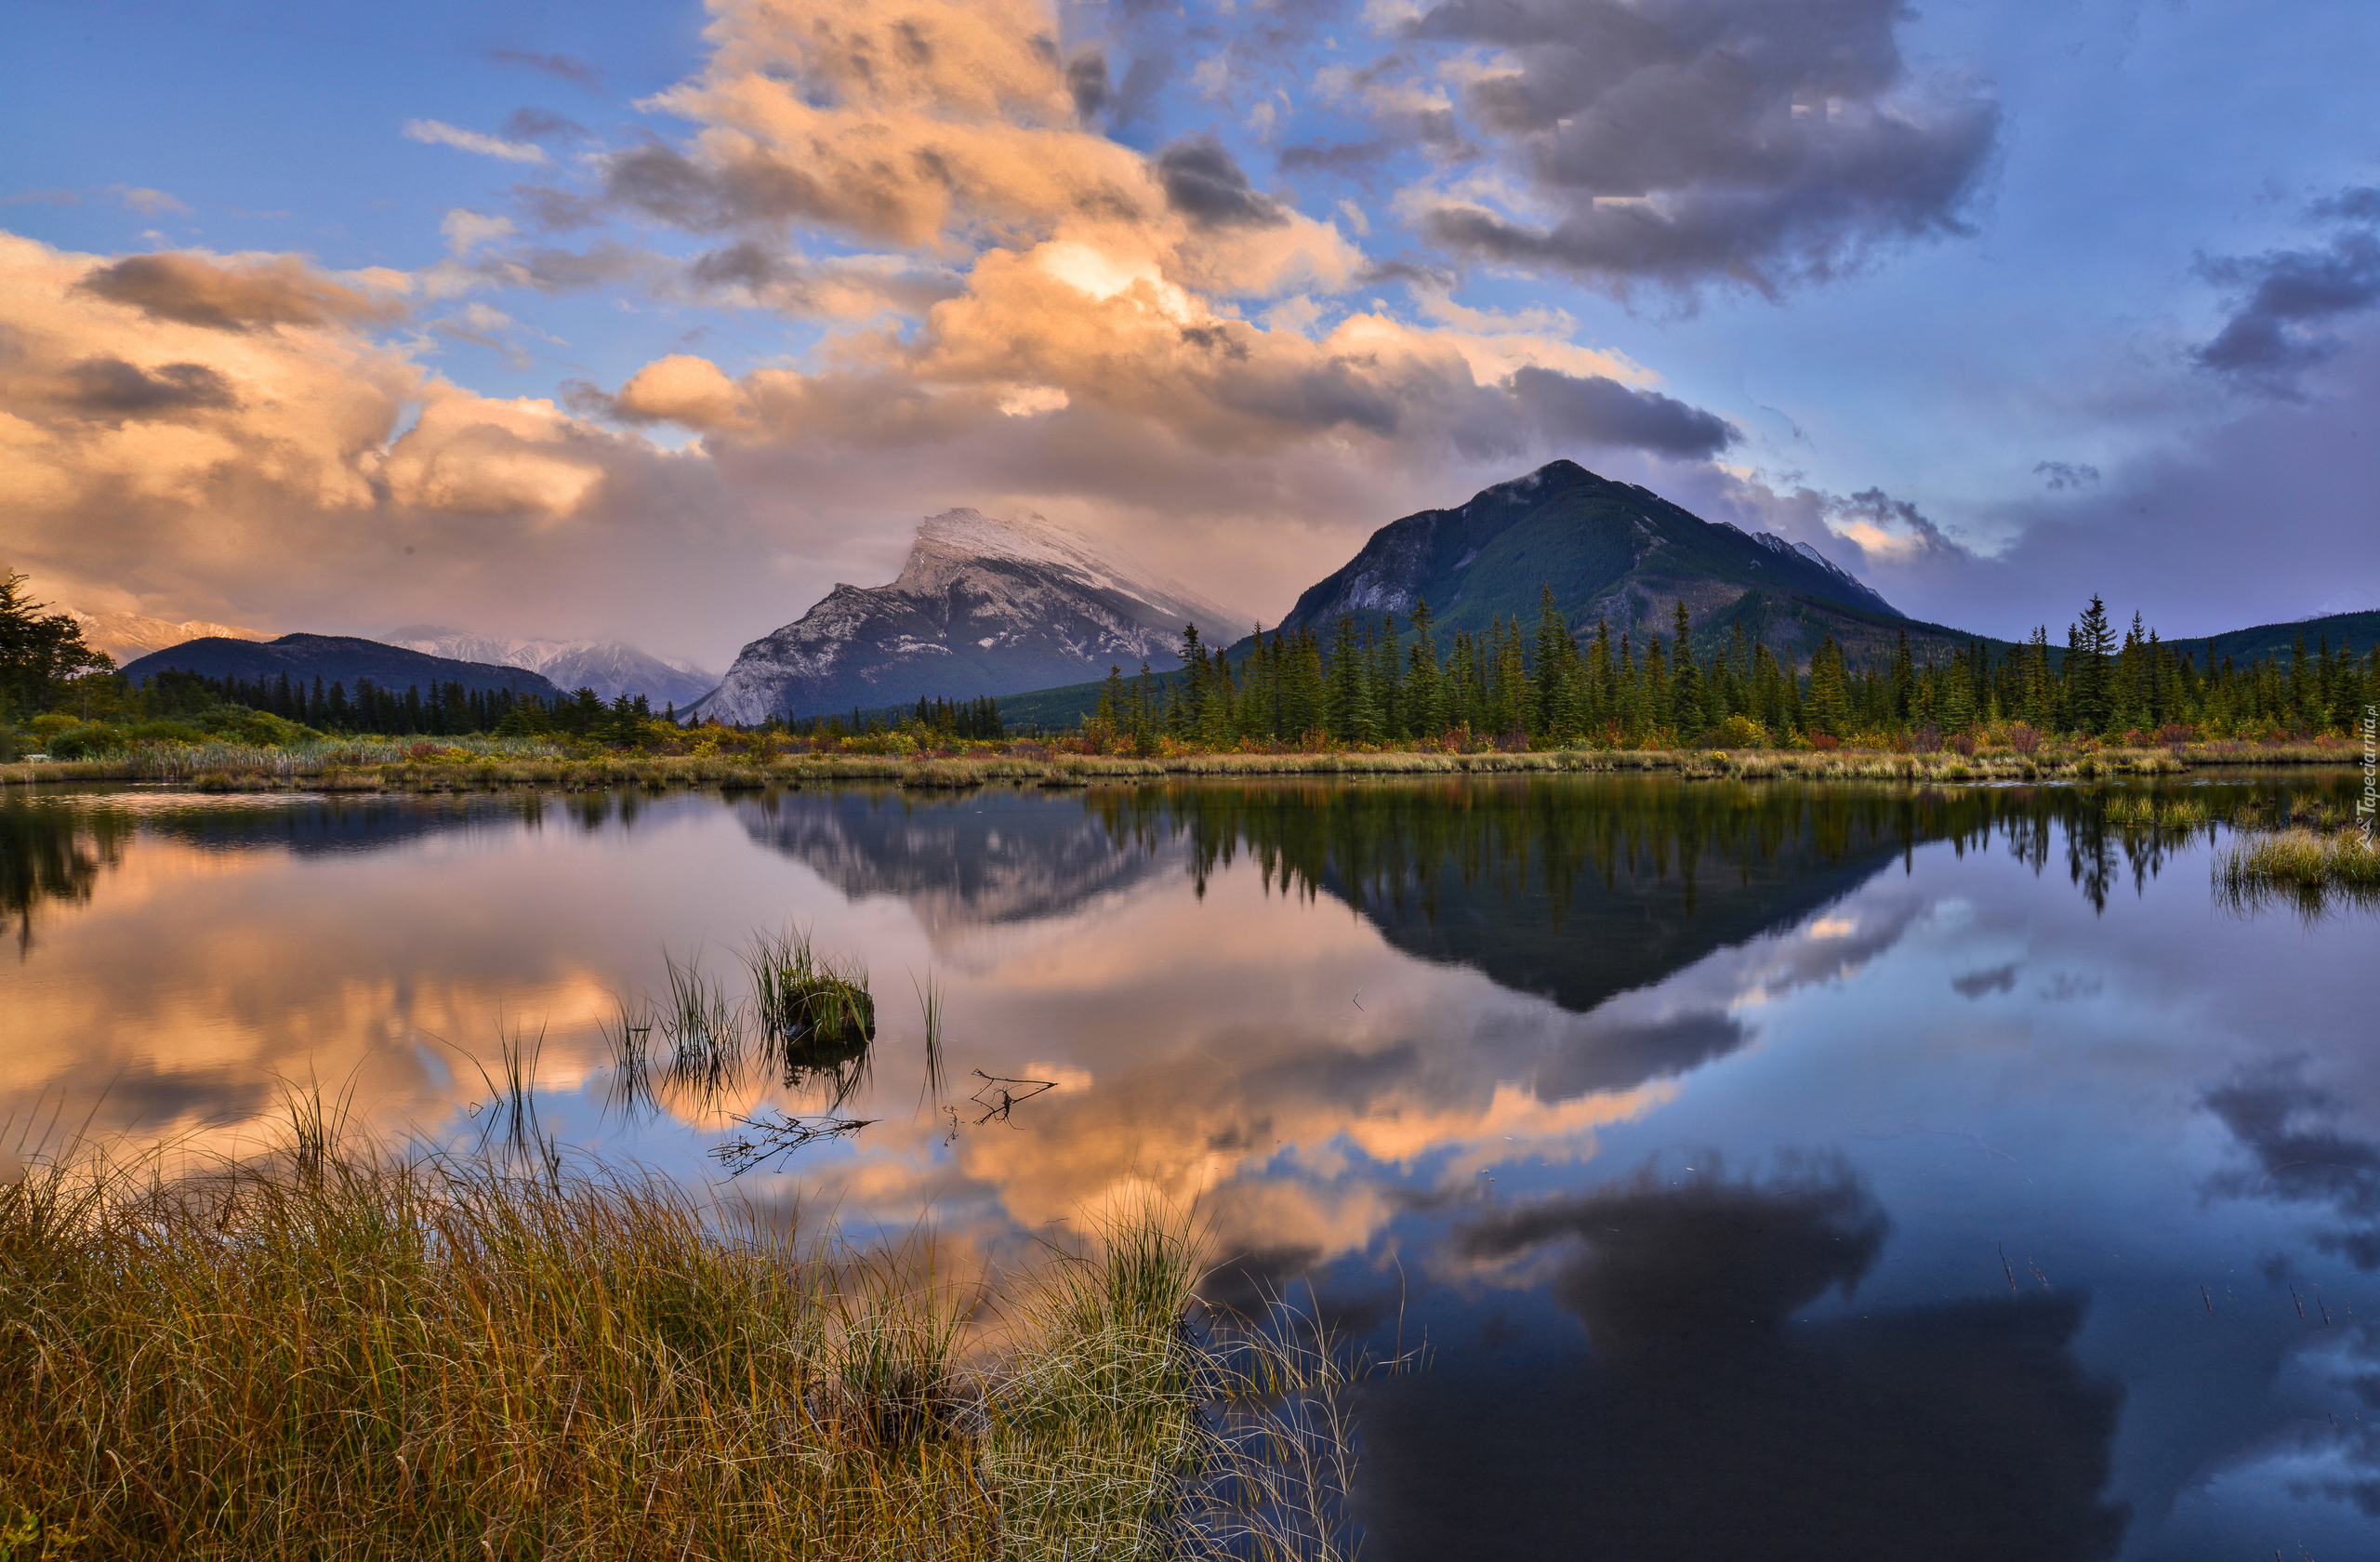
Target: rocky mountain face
pixel 981 607
pixel 334 659
pixel 608 667
pixel 126 636
pixel 1609 551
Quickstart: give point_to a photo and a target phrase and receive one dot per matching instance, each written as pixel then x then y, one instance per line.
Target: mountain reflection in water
pixel 1773 1170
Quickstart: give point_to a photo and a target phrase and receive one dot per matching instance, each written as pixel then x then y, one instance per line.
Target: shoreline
pixel 271 771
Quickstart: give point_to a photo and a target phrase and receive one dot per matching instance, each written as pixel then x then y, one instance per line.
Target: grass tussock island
pixel 762 760
pixel 341 1354
pixel 2309 867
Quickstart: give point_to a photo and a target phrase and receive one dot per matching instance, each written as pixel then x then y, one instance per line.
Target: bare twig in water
pixel 997 1100
pixel 770 1139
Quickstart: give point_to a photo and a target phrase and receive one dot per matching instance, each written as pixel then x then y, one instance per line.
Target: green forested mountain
pixel 1610 553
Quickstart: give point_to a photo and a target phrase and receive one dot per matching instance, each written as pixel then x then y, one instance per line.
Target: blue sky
pixel 2001 305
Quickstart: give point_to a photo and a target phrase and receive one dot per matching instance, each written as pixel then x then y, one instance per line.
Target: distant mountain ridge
pixel 982 606
pixel 334 659
pixel 611 667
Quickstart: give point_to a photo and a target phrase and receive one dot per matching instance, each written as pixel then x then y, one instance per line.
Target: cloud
pixel 567 67
pixel 2287 298
pixel 42 198
pixel 1346 159
pixel 111 387
pixel 537 124
pixel 1687 142
pixel 236 294
pixel 149 202
pixel 439 133
pixel 1087 81
pixel 1204 183
pixel 1603 412
pixel 224 433
pixel 2058 475
pixel 467 230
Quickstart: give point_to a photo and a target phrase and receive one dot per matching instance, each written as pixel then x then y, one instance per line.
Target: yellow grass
pixel 339 1355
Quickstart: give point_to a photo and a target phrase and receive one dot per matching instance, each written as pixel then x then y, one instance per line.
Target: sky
pixel 653 321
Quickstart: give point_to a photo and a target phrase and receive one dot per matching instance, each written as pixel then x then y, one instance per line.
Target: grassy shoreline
pixel 483 767
pixel 340 1353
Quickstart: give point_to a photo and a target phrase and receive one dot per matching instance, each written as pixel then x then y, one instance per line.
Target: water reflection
pixel 1392 1038
pixel 1704 1424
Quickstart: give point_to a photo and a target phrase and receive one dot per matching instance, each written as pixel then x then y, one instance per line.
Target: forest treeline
pixel 1545 685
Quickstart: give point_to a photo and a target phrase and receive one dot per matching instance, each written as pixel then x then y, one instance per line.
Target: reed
pixel 702 1027
pixel 2146 810
pixel 930 1001
pixel 424 1357
pixel 2308 868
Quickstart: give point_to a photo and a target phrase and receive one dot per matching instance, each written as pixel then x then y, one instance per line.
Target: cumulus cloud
pixel 439 133
pixel 224 435
pixel 2289 300
pixel 1684 143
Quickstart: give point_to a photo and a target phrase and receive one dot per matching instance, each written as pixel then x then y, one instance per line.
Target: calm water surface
pixel 1772 1171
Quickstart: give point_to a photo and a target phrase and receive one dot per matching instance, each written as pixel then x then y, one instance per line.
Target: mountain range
pixel 334 659
pixel 982 606
pixel 125 636
pixel 611 667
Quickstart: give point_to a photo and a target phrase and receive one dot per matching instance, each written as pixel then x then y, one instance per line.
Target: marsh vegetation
pixel 335 1351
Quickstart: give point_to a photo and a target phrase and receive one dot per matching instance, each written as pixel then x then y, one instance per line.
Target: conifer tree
pixel 1685 679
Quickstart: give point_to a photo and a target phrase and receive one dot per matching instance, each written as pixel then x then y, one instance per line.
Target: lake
pixel 1769 1170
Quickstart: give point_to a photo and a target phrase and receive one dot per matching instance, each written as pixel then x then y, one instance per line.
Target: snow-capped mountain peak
pixel 608 667
pixel 982 606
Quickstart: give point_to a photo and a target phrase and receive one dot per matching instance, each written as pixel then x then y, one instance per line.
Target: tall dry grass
pixel 340 1354
pixel 2311 869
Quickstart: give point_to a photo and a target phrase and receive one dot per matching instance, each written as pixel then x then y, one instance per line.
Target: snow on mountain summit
pixel 982 606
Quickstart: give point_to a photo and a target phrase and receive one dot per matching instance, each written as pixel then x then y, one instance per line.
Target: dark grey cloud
pixel 1593 410
pixel 2058 475
pixel 1760 142
pixel 665 183
pixel 230 297
pixel 2287 300
pixel 1087 80
pixel 1975 983
pixel 568 67
pixel 1346 159
pixel 531 124
pixel 1409 268
pixel 1205 184
pixel 556 211
pixel 112 388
